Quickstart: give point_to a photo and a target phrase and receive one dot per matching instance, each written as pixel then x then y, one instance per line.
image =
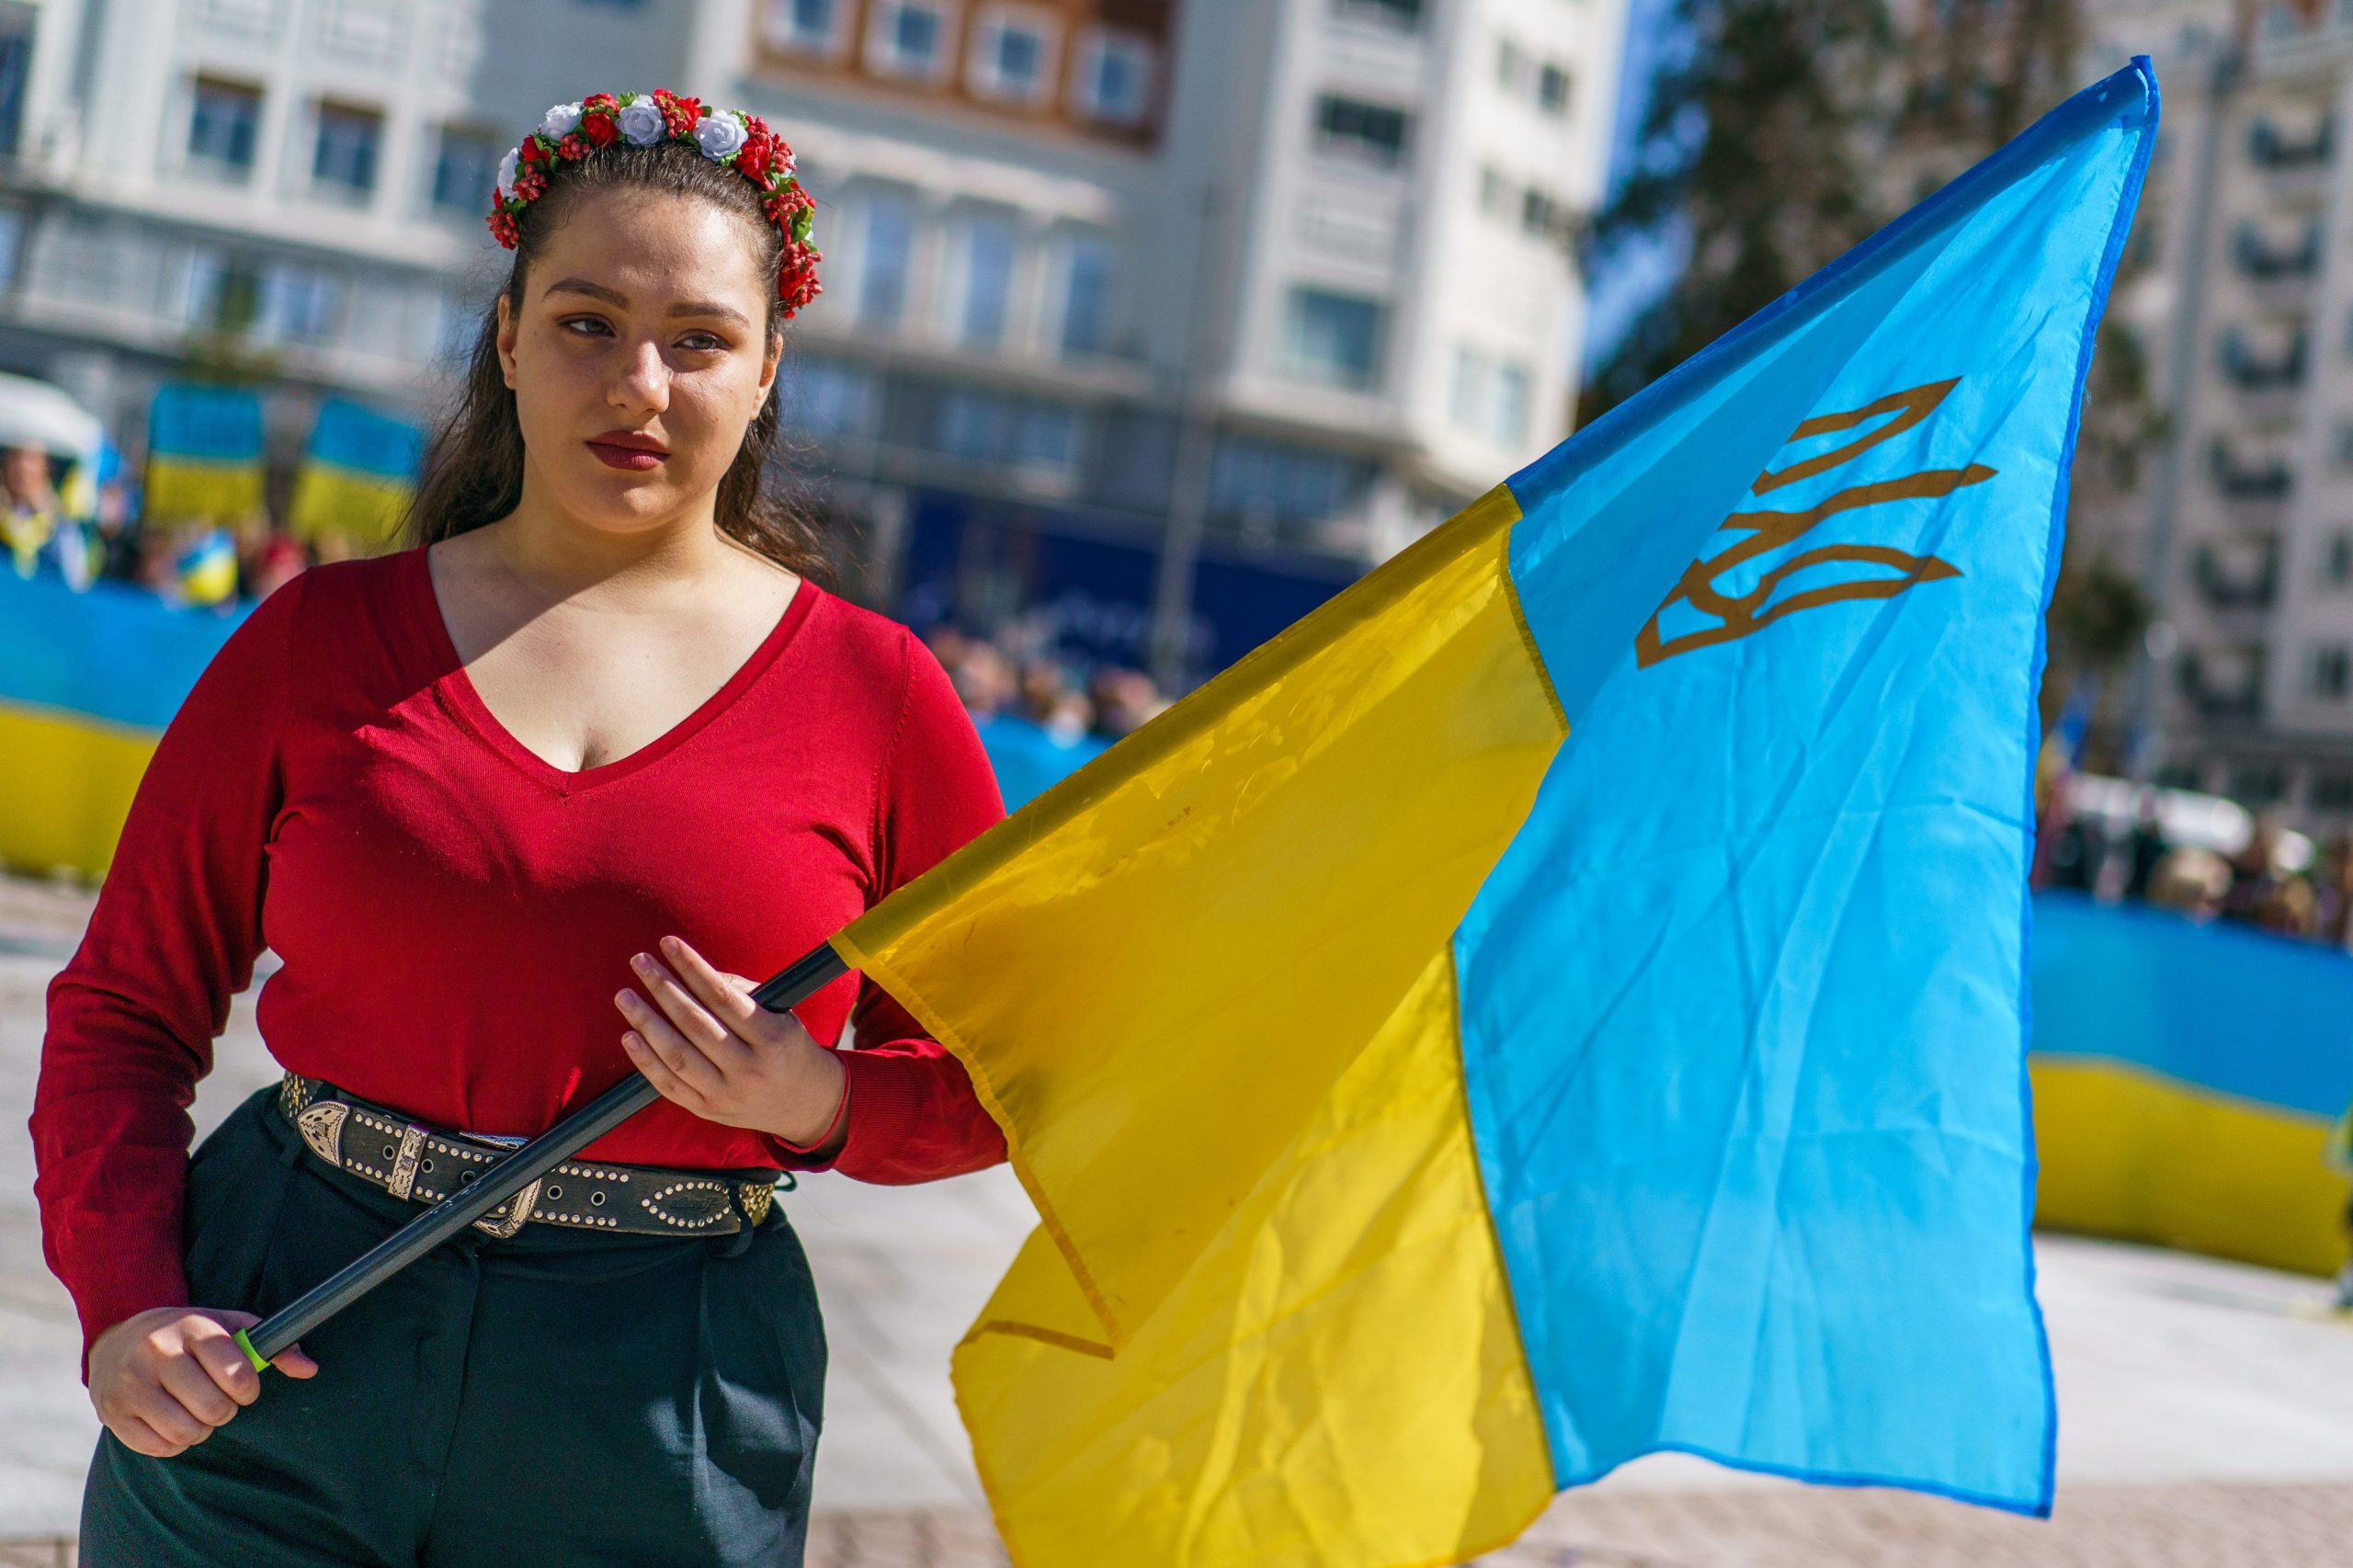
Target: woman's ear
pixel 507 328
pixel 769 362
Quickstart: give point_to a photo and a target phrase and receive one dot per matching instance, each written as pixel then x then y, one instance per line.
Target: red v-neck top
pixel 454 914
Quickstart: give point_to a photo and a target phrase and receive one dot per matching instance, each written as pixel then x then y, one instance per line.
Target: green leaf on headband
pixel 800 221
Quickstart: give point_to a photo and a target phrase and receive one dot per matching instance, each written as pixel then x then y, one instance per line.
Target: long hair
pixel 473 465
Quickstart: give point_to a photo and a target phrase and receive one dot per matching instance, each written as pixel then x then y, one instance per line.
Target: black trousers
pixel 557 1397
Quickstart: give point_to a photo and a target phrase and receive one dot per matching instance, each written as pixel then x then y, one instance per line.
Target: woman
pixel 522 806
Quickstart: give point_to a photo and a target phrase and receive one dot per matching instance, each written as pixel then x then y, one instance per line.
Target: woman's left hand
pixel 704 1043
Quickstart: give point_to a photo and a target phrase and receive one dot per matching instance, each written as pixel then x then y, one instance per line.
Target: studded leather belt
pixel 410 1160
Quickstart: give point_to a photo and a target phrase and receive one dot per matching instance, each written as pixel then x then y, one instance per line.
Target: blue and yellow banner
pixel 204 453
pixel 1564 999
pixel 87 682
pixel 2187 1077
pixel 357 474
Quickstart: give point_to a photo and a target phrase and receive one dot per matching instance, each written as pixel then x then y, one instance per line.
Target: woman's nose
pixel 645 377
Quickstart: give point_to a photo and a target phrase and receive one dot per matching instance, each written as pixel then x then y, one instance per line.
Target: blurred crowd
pixel 201 561
pixel 1040 716
pixel 2274 881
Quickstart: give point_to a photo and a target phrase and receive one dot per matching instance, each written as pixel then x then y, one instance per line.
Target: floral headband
pixel 569 133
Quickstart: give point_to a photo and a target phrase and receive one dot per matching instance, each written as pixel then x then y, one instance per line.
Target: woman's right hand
pixel 162 1379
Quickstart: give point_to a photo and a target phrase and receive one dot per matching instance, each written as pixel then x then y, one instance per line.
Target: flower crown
pixel 569 133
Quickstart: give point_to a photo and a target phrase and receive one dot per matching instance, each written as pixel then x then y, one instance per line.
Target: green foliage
pixel 1755 144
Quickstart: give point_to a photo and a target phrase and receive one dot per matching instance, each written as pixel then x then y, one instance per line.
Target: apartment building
pixel 1157 319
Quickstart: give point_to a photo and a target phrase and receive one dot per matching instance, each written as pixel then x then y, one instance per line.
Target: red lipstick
pixel 628 449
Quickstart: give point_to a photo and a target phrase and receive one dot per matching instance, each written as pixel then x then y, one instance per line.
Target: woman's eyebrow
pixel 594 290
pixel 710 308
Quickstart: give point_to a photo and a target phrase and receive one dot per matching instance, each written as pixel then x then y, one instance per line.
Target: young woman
pixel 522 806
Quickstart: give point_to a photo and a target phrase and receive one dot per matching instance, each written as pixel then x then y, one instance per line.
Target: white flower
pixel 560 121
pixel 720 135
pixel 506 175
pixel 641 122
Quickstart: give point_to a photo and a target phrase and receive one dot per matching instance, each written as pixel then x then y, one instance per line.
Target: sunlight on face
pixel 643 317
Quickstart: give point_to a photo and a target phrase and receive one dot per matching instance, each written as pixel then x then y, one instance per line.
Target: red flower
pixel 599 126
pixel 783 203
pixel 572 149
pixel 502 224
pixel 531 182
pixel 753 125
pixel 595 101
pixel 679 115
pixel 752 158
pixel 531 150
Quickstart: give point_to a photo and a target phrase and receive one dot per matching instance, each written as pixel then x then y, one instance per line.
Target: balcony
pixel 2255 477
pixel 2273 257
pixel 2224 682
pixel 2275 149
pixel 2271 367
pixel 2238 576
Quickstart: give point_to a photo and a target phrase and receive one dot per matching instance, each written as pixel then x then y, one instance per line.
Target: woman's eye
pixel 700 343
pixel 570 322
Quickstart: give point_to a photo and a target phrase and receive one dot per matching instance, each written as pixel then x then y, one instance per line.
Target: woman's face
pixel 639 355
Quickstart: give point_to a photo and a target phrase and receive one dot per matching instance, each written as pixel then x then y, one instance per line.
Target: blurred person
pixel 2192 880
pixel 2144 847
pixel 1123 700
pixel 277 562
pixel 30 514
pixel 982 679
pixel 2288 909
pixel 2255 870
pixel 524 744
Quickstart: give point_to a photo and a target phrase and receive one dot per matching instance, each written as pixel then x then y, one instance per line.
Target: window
pixel 1543 214
pixel 882 282
pixel 221 127
pixel 1087 292
pixel 828 400
pixel 2332 664
pixel 1495 192
pixel 1114 80
pixel 455 321
pixel 907 38
pixel 1402 15
pixel 465 168
pixel 2259 784
pixel 1374 132
pixel 989 241
pixel 343 159
pixel 1552 89
pixel 812 26
pixel 1014 432
pixel 16 65
pixel 1273 485
pixel 1534 81
pixel 1333 337
pixel 2337 562
pixel 223 293
pixel 299 304
pixel 2332 792
pixel 1010 59
pixel 1468 392
pixel 1507 422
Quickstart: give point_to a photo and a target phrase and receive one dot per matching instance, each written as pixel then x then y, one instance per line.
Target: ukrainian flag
pixel 1561 1000
pixel 359 474
pixel 208 568
pixel 204 452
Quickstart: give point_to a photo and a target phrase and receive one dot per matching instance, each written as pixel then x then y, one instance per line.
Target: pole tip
pixel 261 1362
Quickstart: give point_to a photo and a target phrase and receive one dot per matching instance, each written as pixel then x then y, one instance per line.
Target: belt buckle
pixel 509 1217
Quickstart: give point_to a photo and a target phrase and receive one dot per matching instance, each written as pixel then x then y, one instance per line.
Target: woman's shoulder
pixel 868 646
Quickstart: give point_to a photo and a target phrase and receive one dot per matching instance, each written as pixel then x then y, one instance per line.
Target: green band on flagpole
pixel 261 1363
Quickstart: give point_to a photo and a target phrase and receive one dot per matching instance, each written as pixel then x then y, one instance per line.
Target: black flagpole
pixel 789 987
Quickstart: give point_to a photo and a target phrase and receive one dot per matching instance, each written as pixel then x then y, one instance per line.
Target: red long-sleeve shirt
pixel 454 914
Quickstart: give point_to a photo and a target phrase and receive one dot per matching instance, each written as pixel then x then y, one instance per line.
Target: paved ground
pixel 2206 1410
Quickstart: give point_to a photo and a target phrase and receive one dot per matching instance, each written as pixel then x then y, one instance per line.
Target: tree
pixel 1756 145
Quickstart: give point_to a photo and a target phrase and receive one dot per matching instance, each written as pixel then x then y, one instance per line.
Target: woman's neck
pixel 557 555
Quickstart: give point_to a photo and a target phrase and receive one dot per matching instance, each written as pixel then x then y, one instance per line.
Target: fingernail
pixel 638 960
pixel 672 945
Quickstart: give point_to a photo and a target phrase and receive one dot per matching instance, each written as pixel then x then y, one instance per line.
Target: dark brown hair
pixel 473 466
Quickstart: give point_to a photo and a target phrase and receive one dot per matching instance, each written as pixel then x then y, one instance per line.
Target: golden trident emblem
pixel 1739 615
